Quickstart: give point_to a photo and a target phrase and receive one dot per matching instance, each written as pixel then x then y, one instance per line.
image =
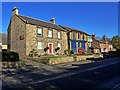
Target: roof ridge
pixel 74 29
pixel 37 19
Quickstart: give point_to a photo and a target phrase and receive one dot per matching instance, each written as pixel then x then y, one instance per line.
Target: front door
pixel 50 48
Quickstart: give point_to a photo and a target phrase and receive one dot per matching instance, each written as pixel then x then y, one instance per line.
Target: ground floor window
pixel 59 45
pixel 39 45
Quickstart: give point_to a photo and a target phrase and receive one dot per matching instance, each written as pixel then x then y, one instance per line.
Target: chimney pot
pixel 15 11
pixel 52 20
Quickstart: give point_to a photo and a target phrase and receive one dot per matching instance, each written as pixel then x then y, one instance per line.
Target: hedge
pixel 10 56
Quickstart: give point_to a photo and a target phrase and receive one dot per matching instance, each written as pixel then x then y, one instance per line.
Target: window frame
pixel 59 34
pixel 39 45
pixel 41 31
pixel 58 45
pixel 51 33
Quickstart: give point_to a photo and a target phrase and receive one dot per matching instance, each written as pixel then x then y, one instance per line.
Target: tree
pixel 103 38
pixel 116 42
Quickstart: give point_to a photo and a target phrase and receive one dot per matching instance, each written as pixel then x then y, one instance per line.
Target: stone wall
pixel 16 30
pixel 83 57
pixel 32 40
pixel 53 61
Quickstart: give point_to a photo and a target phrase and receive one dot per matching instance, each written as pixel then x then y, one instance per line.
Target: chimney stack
pixel 15 11
pixel 52 20
pixel 93 36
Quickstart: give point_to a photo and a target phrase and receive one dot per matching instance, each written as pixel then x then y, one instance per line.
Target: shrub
pixel 71 52
pixel 10 56
pixel 33 53
pixel 89 52
pixel 66 52
pixel 45 49
pixel 58 48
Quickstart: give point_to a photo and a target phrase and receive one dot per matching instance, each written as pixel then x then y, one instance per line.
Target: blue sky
pixel 91 17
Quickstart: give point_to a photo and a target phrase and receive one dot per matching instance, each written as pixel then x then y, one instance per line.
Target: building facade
pixel 99 46
pixel 106 46
pixel 26 33
pixel 77 39
pixel 3 41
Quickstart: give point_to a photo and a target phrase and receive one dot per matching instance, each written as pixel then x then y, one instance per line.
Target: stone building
pixel 26 33
pixel 3 41
pixel 77 39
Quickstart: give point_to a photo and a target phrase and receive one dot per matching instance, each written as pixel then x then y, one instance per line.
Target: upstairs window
pixel 59 34
pixel 39 31
pixel 50 33
pixel 78 35
pixel 83 36
pixel 74 35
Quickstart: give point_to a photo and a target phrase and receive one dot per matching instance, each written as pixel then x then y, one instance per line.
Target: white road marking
pixel 115 86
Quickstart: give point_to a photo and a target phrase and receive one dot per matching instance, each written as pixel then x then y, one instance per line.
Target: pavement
pixel 34 72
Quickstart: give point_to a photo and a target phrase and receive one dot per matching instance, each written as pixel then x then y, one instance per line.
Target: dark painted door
pixel 73 44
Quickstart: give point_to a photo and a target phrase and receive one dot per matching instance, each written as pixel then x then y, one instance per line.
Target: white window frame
pixel 59 45
pixel 39 31
pixel 59 34
pixel 50 34
pixel 39 45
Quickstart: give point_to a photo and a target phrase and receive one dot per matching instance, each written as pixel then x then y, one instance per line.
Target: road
pixel 103 74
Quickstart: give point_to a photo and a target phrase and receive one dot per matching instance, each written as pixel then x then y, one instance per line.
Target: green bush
pixel 71 52
pixel 89 52
pixel 32 53
pixel 66 52
pixel 10 56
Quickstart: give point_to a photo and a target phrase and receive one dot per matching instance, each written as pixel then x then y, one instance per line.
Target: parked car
pixel 105 54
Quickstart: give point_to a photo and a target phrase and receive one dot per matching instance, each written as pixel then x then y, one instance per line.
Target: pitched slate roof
pixel 37 22
pixel 3 39
pixel 72 29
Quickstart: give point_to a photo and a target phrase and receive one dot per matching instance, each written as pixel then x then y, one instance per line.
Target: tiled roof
pixel 39 22
pixel 95 44
pixel 72 29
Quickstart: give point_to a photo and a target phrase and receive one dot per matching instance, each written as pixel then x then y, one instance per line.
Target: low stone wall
pixel 53 61
pixel 83 57
pixel 17 64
